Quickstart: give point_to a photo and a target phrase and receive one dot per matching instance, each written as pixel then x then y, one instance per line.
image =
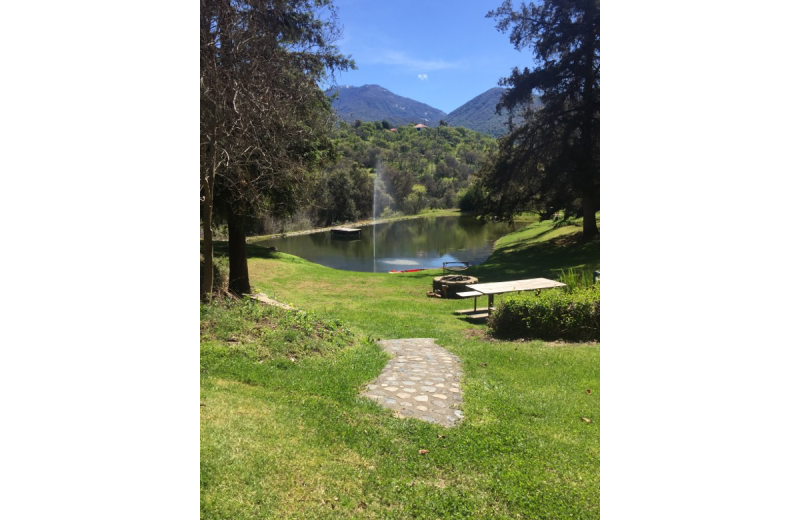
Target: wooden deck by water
pixel 346 232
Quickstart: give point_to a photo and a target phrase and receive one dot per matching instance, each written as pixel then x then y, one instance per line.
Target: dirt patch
pixel 479 334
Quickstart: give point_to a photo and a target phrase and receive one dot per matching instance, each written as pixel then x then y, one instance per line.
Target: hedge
pixel 553 314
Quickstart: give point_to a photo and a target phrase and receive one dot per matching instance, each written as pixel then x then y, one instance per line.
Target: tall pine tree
pixel 264 122
pixel 552 160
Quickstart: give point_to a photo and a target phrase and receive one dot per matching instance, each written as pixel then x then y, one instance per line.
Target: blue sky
pixel 439 52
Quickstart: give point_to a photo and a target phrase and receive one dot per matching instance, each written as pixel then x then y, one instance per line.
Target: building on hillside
pixel 420 126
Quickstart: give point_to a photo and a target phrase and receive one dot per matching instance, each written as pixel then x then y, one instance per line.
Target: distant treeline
pixel 415 169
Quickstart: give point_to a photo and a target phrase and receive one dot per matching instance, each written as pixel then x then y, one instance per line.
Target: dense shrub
pixel 554 314
pixel 471 198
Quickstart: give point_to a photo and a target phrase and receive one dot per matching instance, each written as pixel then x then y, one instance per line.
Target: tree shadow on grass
pixel 220 248
pixel 541 259
pixel 534 237
pixel 253 251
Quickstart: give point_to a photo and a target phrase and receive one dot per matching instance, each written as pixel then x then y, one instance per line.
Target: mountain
pixel 375 103
pixel 479 114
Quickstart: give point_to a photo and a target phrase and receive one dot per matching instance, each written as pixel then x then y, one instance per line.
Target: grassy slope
pixel 295 440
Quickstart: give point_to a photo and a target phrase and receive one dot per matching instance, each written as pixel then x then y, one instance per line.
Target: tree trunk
pixel 589 221
pixel 208 174
pixel 208 244
pixel 237 253
pixel 590 136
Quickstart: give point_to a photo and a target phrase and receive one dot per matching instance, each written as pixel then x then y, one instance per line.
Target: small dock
pixel 345 232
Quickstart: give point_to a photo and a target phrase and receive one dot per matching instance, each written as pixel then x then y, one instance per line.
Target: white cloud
pixel 422 77
pixel 403 60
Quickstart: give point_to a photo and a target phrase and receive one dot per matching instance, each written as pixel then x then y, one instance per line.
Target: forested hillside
pixel 375 103
pixel 479 114
pixel 414 170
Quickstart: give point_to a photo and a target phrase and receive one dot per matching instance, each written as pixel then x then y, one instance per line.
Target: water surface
pixel 421 243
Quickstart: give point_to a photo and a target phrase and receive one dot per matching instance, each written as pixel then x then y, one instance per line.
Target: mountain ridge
pixel 375 103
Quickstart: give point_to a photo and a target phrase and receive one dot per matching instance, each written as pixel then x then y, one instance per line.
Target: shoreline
pixel 445 213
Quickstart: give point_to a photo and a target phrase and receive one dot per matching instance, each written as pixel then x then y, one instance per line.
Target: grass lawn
pixel 285 435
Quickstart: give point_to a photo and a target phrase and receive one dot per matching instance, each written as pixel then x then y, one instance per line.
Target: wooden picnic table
pixel 531 284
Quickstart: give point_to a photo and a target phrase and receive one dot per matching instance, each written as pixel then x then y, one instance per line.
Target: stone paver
pixel 413 382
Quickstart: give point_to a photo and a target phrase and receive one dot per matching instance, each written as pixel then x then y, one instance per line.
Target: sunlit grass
pixel 294 440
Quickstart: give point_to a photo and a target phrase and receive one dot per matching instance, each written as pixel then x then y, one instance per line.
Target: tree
pixel 416 200
pixel 264 121
pixel 345 193
pixel 399 181
pixel 552 160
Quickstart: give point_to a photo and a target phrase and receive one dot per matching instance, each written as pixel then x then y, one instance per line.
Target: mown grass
pixel 292 439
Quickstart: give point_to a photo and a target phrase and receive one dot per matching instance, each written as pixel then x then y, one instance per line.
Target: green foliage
pixel 563 219
pixel 551 315
pixel 471 198
pixel 480 114
pixel 441 160
pixel 576 279
pixel 552 160
pixel 234 331
pixel 264 122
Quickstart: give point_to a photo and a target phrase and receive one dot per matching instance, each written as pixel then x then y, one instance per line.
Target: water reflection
pixel 421 243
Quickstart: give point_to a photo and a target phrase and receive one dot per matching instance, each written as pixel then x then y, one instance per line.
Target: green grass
pixel 540 250
pixel 283 438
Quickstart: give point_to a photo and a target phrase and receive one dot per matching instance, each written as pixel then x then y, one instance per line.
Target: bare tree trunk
pixel 237 254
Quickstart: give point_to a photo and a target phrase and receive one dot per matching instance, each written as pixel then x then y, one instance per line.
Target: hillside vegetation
pixel 480 114
pixel 415 170
pixel 375 103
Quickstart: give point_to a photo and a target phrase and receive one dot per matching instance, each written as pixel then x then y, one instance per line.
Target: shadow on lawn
pixel 541 259
pixel 253 251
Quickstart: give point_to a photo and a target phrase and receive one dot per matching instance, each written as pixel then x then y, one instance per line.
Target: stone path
pixel 269 301
pixel 422 381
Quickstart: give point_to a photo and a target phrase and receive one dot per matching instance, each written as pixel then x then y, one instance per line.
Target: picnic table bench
pixel 490 289
pixel 469 294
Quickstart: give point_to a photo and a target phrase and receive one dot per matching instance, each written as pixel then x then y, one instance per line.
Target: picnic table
pixel 490 289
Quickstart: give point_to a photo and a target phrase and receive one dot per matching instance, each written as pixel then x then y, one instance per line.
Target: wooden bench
pixel 470 294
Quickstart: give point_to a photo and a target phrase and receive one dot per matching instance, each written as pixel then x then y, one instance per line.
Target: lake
pixel 421 243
